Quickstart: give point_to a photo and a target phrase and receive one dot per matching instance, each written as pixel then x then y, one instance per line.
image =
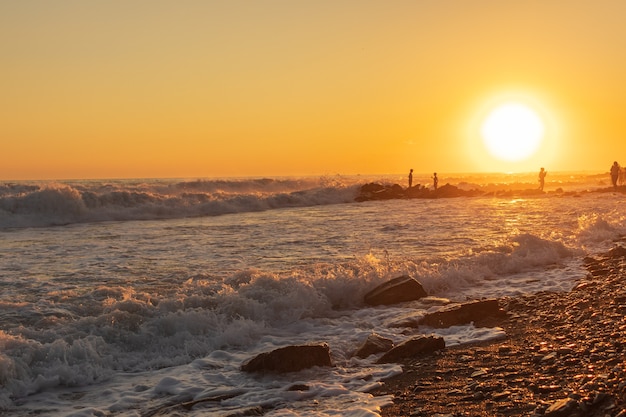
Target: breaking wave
pixel 50 204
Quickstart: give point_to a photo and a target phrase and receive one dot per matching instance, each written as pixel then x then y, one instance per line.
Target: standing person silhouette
pixel 542 178
pixel 614 173
pixel 411 178
pixel 435 181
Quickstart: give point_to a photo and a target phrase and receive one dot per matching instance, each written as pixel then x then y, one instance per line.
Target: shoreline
pixel 563 355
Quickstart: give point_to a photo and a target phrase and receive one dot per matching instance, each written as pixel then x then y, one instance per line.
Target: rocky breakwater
pixel 564 355
pixel 376 191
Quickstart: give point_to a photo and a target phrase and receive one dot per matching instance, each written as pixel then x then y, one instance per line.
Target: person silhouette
pixel 542 178
pixel 435 180
pixel 614 173
pixel 411 178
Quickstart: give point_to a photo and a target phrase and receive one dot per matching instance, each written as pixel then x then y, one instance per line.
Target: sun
pixel 512 132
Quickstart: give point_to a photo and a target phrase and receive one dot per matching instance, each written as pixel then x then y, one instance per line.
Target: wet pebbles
pixel 564 355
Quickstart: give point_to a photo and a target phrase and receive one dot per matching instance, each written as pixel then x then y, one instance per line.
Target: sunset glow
pixel 236 88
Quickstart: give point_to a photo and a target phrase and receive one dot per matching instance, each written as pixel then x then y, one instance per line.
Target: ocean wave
pixel 521 257
pixel 594 228
pixel 117 328
pixel 52 204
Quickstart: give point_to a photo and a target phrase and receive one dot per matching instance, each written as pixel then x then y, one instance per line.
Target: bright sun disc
pixel 512 132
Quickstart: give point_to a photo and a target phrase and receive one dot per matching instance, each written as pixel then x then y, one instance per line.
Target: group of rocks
pixel 377 191
pixel 397 290
pixel 563 356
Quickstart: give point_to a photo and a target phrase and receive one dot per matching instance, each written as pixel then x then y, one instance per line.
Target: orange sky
pixel 263 88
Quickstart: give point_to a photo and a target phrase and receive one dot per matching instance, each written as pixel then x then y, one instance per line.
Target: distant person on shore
pixel 615 173
pixel 411 178
pixel 542 178
pixel 435 181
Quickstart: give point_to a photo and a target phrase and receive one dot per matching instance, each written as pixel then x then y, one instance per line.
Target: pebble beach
pixel 563 355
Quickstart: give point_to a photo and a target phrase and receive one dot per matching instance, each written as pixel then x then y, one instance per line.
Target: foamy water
pixel 147 294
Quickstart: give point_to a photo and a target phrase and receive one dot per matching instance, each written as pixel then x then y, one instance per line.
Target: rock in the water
pixel 374 191
pixel 372 345
pixel 448 191
pixel 289 359
pixel 397 290
pixel 416 346
pixel 463 314
pixel 372 188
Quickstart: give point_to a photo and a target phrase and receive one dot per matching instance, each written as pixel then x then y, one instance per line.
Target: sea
pixel 143 297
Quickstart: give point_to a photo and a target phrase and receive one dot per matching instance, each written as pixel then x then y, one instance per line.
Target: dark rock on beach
pixel 414 347
pixel 458 314
pixel 397 290
pixel 564 354
pixel 289 359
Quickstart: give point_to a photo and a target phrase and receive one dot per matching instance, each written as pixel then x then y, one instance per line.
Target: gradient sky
pixel 127 88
